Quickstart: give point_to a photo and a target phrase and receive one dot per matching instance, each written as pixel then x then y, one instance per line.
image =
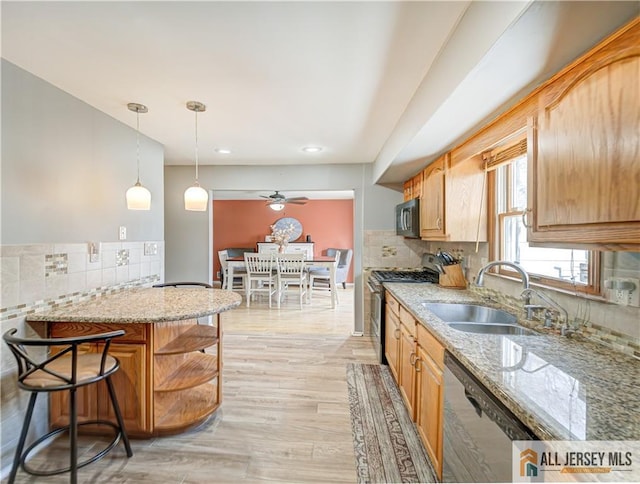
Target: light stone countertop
pixel 146 305
pixel 561 388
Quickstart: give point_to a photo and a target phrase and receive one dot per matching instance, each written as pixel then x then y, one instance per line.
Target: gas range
pixel 377 312
pixel 424 275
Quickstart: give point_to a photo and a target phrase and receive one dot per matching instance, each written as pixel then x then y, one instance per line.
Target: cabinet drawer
pixel 431 345
pixel 408 320
pixel 133 332
pixel 392 303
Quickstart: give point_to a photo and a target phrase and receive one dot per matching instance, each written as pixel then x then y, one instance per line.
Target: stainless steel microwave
pixel 408 218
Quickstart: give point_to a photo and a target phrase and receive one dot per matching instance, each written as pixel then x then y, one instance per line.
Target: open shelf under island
pixel 170 356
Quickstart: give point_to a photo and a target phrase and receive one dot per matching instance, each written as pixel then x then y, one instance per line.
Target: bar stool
pixel 66 370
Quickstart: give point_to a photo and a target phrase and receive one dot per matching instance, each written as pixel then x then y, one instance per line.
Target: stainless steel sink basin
pixel 469 313
pixel 472 318
pixel 484 328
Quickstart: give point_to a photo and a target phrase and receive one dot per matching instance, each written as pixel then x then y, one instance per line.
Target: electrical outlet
pixel 624 291
pixel 217 274
pixel 150 248
pixel 122 234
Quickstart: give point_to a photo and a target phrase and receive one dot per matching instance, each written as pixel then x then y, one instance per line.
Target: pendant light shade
pixel 138 197
pixel 196 198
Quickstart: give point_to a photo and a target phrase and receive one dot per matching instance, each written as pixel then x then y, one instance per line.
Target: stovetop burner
pixel 406 276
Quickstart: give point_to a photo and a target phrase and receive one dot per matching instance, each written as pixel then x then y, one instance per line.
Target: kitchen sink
pixel 470 314
pixel 472 318
pixel 484 328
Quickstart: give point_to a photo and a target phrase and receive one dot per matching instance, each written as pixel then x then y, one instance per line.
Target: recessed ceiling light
pixel 223 151
pixel 312 149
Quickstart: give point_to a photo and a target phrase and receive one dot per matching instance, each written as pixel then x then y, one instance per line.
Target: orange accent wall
pixel 243 223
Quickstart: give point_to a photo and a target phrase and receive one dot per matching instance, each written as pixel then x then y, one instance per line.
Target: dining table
pixel 323 261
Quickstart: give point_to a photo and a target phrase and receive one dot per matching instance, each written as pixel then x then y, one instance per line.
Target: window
pixel 571 269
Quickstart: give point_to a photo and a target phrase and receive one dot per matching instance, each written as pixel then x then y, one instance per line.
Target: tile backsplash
pixel 31 274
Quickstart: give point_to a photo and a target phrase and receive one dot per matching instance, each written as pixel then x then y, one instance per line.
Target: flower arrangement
pixel 281 235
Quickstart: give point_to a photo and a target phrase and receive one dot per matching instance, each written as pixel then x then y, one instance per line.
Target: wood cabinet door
pixel 416 185
pixel 585 145
pixel 430 407
pixel 407 190
pixel 432 223
pixel 391 340
pixel 131 387
pixel 406 368
pixel 86 401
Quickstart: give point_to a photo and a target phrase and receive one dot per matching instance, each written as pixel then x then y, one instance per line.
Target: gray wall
pixel 65 170
pixel 66 167
pixel 187 233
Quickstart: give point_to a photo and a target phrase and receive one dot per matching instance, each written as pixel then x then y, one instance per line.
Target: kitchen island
pixel 170 356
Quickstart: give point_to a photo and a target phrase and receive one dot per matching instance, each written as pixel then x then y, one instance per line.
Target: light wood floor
pixel 285 414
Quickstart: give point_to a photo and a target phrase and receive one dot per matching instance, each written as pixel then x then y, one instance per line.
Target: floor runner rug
pixel 386 442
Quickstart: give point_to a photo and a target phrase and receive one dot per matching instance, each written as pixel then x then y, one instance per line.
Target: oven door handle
pixel 372 289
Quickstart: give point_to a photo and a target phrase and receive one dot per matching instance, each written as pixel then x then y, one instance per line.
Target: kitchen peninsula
pixel 170 356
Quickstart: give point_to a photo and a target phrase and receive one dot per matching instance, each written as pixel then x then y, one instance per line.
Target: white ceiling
pixel 390 83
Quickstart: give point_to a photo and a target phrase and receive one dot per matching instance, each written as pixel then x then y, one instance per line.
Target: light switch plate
pixel 122 234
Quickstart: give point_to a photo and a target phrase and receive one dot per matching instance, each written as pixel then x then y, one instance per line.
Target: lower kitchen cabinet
pixel 430 396
pixel 166 383
pixel 406 368
pixel 418 365
pixel 392 334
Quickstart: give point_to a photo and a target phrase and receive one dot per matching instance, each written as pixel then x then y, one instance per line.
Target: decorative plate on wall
pixel 284 222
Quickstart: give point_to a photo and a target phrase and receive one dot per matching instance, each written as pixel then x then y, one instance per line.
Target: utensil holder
pixel 453 277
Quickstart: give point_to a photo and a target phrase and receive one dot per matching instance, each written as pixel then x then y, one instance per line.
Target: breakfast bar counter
pixel 170 356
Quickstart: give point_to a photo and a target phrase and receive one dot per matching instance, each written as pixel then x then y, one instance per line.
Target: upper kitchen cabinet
pixel 453 204
pixel 412 188
pixel 584 152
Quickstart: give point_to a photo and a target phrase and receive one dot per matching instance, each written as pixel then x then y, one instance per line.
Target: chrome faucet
pixel 564 328
pixel 513 265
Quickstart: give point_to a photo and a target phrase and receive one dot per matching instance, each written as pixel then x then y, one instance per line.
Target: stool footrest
pixel 99 455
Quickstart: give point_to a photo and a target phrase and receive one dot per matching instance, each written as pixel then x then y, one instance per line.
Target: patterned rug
pixel 385 440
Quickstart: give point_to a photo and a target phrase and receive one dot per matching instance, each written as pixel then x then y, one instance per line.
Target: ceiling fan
pixel 277 200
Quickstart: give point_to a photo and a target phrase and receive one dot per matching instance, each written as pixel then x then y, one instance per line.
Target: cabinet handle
pixel 396 333
pixel 412 358
pixel 524 218
pixel 438 223
pixel 417 365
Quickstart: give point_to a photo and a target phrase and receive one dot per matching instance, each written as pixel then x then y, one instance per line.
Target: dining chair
pixel 323 277
pixel 67 367
pixel 239 275
pixel 291 271
pixel 261 277
pixel 344 263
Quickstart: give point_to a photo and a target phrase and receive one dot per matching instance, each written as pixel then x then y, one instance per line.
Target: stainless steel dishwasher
pixel 478 429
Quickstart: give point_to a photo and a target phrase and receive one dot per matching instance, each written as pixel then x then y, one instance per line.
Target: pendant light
pixel 138 197
pixel 196 198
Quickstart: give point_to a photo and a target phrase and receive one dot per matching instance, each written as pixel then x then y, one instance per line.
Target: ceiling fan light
pixel 276 206
pixel 138 198
pixel 196 199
